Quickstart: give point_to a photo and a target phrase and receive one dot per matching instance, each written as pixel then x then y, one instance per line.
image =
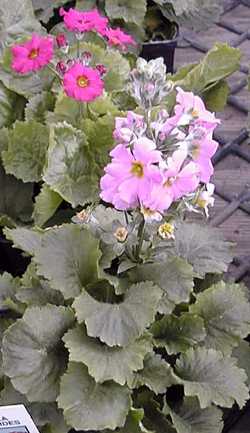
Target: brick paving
pixel 232 162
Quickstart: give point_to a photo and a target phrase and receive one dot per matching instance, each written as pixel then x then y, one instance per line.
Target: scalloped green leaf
pixel 104 362
pixel 17 19
pixel 15 198
pixel 27 149
pixel 242 354
pixel 38 105
pixel 44 9
pixel 128 10
pixel 174 277
pixel 70 166
pixel 213 378
pixel 188 417
pixel 99 134
pixel 203 247
pixel 226 314
pixel 46 204
pixel 156 374
pixel 24 239
pixel 37 291
pixel 119 324
pixel 11 106
pixel 68 257
pixel 33 357
pixel 134 423
pixel 219 63
pixel 177 334
pixel 91 406
pixel 8 287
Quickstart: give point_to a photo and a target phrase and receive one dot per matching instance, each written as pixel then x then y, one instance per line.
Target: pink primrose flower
pixel 84 21
pixel 116 37
pixel 32 55
pixel 82 83
pixel 126 127
pixel 130 175
pixel 202 152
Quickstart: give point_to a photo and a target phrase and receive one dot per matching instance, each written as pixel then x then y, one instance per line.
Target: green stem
pixel 78 48
pixel 140 239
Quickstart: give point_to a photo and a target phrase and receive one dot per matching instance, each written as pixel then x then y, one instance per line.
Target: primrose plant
pixel 79 80
pixel 122 321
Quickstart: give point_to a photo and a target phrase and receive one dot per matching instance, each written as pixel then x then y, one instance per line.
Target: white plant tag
pixel 16 419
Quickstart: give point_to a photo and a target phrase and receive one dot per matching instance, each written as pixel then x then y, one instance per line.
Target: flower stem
pixel 140 239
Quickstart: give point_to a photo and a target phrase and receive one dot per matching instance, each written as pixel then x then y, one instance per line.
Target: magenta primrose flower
pixel 130 175
pixel 84 21
pixel 83 83
pixel 32 55
pixel 118 38
pixel 202 152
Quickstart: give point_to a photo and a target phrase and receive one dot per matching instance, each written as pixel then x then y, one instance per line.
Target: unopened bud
pixel 61 40
pixel 121 234
pixel 61 68
pixel 101 69
pixel 86 57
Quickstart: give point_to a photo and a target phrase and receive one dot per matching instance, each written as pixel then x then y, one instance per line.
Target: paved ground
pixel 232 173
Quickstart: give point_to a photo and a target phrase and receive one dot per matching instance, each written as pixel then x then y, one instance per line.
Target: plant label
pixel 16 419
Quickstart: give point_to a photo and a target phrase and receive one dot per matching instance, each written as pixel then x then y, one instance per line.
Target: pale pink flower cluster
pixel 142 175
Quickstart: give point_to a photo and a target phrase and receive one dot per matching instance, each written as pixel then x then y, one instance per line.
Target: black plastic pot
pixel 165 49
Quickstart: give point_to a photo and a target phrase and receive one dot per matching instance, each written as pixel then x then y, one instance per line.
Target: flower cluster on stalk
pixel 161 161
pixel 79 80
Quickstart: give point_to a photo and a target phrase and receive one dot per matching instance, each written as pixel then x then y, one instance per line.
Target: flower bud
pixel 101 69
pixel 121 234
pixel 86 57
pixel 61 68
pixel 61 40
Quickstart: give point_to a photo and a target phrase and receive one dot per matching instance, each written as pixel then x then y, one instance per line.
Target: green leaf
pixel 242 354
pixel 128 10
pixel 46 203
pixel 11 106
pixel 213 378
pixel 177 334
pixel 226 314
pixel 17 19
pixel 216 98
pixel 8 287
pixel 156 375
pixel 203 247
pixel 219 63
pixel 100 138
pixel 15 198
pixel 36 291
pixel 26 153
pixel 69 170
pixel 103 362
pixel 33 356
pixel 85 4
pixel 91 406
pixel 190 418
pixel 38 105
pixel 44 9
pixel 24 239
pixel 68 258
pixel 174 277
pixel 134 423
pixel 194 14
pixel 119 324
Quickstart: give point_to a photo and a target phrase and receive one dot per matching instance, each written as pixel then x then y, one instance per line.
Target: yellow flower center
pixel 201 203
pixel 121 234
pixel 33 54
pixel 82 81
pixel 137 169
pixel 196 151
pixel 166 231
pixel 195 113
pixel 169 182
